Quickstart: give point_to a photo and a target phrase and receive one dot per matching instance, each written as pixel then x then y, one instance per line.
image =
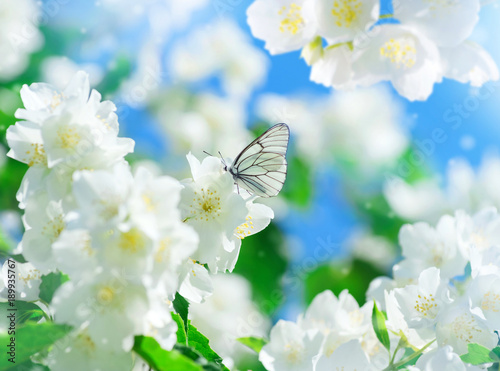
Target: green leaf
pixel 298 185
pixel 201 343
pixel 29 366
pixel 50 283
pixel 25 311
pixel 265 251
pixel 30 339
pixel 355 276
pixel 162 360
pixel 181 306
pixel 378 322
pixel 253 343
pixel 181 332
pixel 477 354
pixel 495 353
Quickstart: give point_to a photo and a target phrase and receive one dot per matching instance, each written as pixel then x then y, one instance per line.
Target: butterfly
pixel 261 167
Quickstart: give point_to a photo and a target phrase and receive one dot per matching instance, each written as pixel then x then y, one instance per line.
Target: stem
pixel 385 16
pixel 409 358
pixel 395 351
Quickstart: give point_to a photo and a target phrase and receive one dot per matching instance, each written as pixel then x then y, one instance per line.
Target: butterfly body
pixel 260 168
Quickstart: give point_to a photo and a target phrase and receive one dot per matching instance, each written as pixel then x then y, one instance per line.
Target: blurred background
pixel 189 76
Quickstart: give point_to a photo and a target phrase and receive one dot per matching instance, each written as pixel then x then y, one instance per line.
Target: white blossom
pixel 342 20
pixel 399 54
pixel 424 246
pixel 290 348
pixel 227 315
pixel 19 35
pixel 221 217
pixel 285 25
pixel 446 23
pixel 220 49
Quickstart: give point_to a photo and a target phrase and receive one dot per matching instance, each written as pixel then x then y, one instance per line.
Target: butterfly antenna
pixel 207 153
pixel 222 158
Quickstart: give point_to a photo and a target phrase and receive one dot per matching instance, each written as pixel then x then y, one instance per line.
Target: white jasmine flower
pixel 321 313
pixel 196 284
pixel 484 261
pixel 421 304
pixel 334 68
pixel 227 315
pixel 290 348
pixel 79 352
pixel 158 322
pixel 460 325
pixel 442 358
pixel 19 35
pixel 480 231
pixel 65 131
pixel 220 216
pixel 468 62
pixel 342 20
pixel 102 196
pixel 424 246
pixel 343 316
pixel 59 70
pixel 44 221
pixel 484 293
pixel 26 277
pixel 400 54
pixel 348 356
pixel 170 252
pixel 397 322
pixel 423 200
pixel 226 52
pixel 112 306
pixel 446 23
pixel 74 253
pixel 285 25
pixel 372 136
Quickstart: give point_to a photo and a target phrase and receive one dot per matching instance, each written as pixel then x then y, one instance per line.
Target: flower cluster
pixel 226 52
pixel 423 42
pixel 465 188
pixel 445 295
pixel 19 35
pixel 127 241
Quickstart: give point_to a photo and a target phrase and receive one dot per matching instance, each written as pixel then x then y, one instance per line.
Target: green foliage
pixel 253 343
pixel 376 212
pixel 181 331
pixel 11 175
pixel 115 76
pixel 50 283
pixel 298 185
pixel 477 355
pixel 30 339
pixel 192 352
pixel 30 366
pixel 162 360
pixel 355 276
pixel 181 306
pixel 5 244
pixel 261 261
pixel 25 311
pixel 200 343
pixel 378 322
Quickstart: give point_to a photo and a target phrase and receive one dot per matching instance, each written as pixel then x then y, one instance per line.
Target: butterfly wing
pixel 261 167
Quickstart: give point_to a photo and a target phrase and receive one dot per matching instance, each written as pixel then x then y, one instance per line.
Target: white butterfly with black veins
pixel 261 167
